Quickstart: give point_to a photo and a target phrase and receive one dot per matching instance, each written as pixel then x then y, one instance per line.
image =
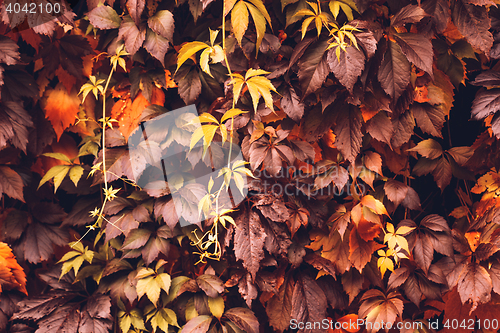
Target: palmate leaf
pixel 240 18
pixel 378 307
pixel 320 19
pixel 346 5
pixel 257 86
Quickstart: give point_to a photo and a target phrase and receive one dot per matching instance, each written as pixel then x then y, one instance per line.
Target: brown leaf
pixel 473 23
pixel 378 307
pixel 244 319
pixel 416 49
pixel 348 132
pixel 373 162
pixel 408 14
pixel 380 128
pixel 249 239
pixel 403 129
pixel 308 302
pixel 429 118
pixel 292 105
pixel 475 285
pixel 279 307
pixel 360 251
pixel 396 191
pixel 11 183
pixel 352 282
pixel 394 71
pixel 247 289
pixel 348 67
pixel 133 35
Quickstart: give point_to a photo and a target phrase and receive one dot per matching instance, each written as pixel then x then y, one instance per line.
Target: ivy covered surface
pixel 354 151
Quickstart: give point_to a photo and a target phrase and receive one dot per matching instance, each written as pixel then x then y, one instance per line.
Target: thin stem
pixel 104 124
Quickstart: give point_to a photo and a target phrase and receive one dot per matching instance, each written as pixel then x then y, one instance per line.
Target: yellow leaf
pixel 262 9
pixel 75 173
pixel 231 113
pixel 163 280
pixel 375 205
pixel 216 306
pixel 239 20
pixel 260 24
pixel 404 230
pixel 204 58
pixel 58 173
pixel 188 50
pixel 150 287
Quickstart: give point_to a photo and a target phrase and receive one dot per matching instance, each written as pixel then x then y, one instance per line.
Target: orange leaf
pixel 349 323
pixel 65 78
pixel 421 94
pixel 368 113
pixel 329 139
pixel 12 275
pixel 128 113
pixel 157 97
pixel 168 79
pixel 473 239
pixel 61 108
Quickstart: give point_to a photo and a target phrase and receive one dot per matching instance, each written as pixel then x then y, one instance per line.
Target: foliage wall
pixel 371 131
